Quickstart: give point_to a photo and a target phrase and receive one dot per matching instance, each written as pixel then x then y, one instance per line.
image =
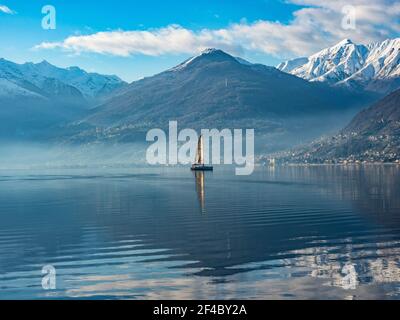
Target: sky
pixel 136 38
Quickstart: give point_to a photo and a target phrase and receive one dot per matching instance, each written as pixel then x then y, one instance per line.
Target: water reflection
pixel 310 232
pixel 200 185
pixel 373 190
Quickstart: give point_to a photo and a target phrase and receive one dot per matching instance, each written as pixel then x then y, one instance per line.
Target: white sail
pixel 200 151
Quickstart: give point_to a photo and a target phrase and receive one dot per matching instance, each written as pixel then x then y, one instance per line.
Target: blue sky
pixel 139 38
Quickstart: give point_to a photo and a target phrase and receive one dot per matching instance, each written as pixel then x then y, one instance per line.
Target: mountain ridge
pixel 36 77
pixel 218 90
pixel 373 67
pixel 36 98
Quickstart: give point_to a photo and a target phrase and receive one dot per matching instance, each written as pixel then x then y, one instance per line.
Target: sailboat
pixel 199 163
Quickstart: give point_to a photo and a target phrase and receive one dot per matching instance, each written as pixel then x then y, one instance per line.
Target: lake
pixel 323 232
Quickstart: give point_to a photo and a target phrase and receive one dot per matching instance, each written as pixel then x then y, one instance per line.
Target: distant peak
pixel 74 68
pixel 210 51
pixel 345 42
pixel 44 63
pixel 210 54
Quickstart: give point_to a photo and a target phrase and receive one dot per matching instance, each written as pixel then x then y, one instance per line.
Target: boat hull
pixel 201 168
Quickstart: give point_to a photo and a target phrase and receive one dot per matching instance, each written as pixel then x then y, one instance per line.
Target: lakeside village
pixel 342 149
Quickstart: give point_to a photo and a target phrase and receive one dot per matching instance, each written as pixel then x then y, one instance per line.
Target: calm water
pixel 286 233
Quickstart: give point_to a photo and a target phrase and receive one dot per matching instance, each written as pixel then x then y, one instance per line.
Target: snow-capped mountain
pixel 91 85
pixel 290 65
pixel 374 67
pixel 217 90
pixel 49 81
pixel 210 52
pixel 36 98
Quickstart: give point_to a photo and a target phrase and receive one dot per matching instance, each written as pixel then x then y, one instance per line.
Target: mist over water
pixel 277 136
pixel 41 156
pixel 288 232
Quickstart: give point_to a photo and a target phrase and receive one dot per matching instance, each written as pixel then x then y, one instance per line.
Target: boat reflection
pixel 199 176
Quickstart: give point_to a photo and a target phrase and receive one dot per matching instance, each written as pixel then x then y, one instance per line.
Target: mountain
pixel 36 97
pixel 50 81
pixel 8 88
pixel 373 135
pixel 23 78
pixel 217 90
pixel 383 118
pixel 374 67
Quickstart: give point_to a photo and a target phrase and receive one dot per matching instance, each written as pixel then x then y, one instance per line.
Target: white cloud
pixel 315 25
pixel 6 9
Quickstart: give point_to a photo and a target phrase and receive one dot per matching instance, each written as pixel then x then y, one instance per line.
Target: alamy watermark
pixel 180 147
pixel 49 278
pixel 49 21
pixel 349 21
pixel 350 280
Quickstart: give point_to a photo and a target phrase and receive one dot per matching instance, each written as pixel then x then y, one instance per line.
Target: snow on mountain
pixel 352 65
pixel 290 65
pixel 382 61
pixel 209 52
pixel 48 80
pixel 10 89
pixel 90 84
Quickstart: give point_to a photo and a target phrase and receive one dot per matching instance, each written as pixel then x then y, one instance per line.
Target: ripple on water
pixel 289 233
